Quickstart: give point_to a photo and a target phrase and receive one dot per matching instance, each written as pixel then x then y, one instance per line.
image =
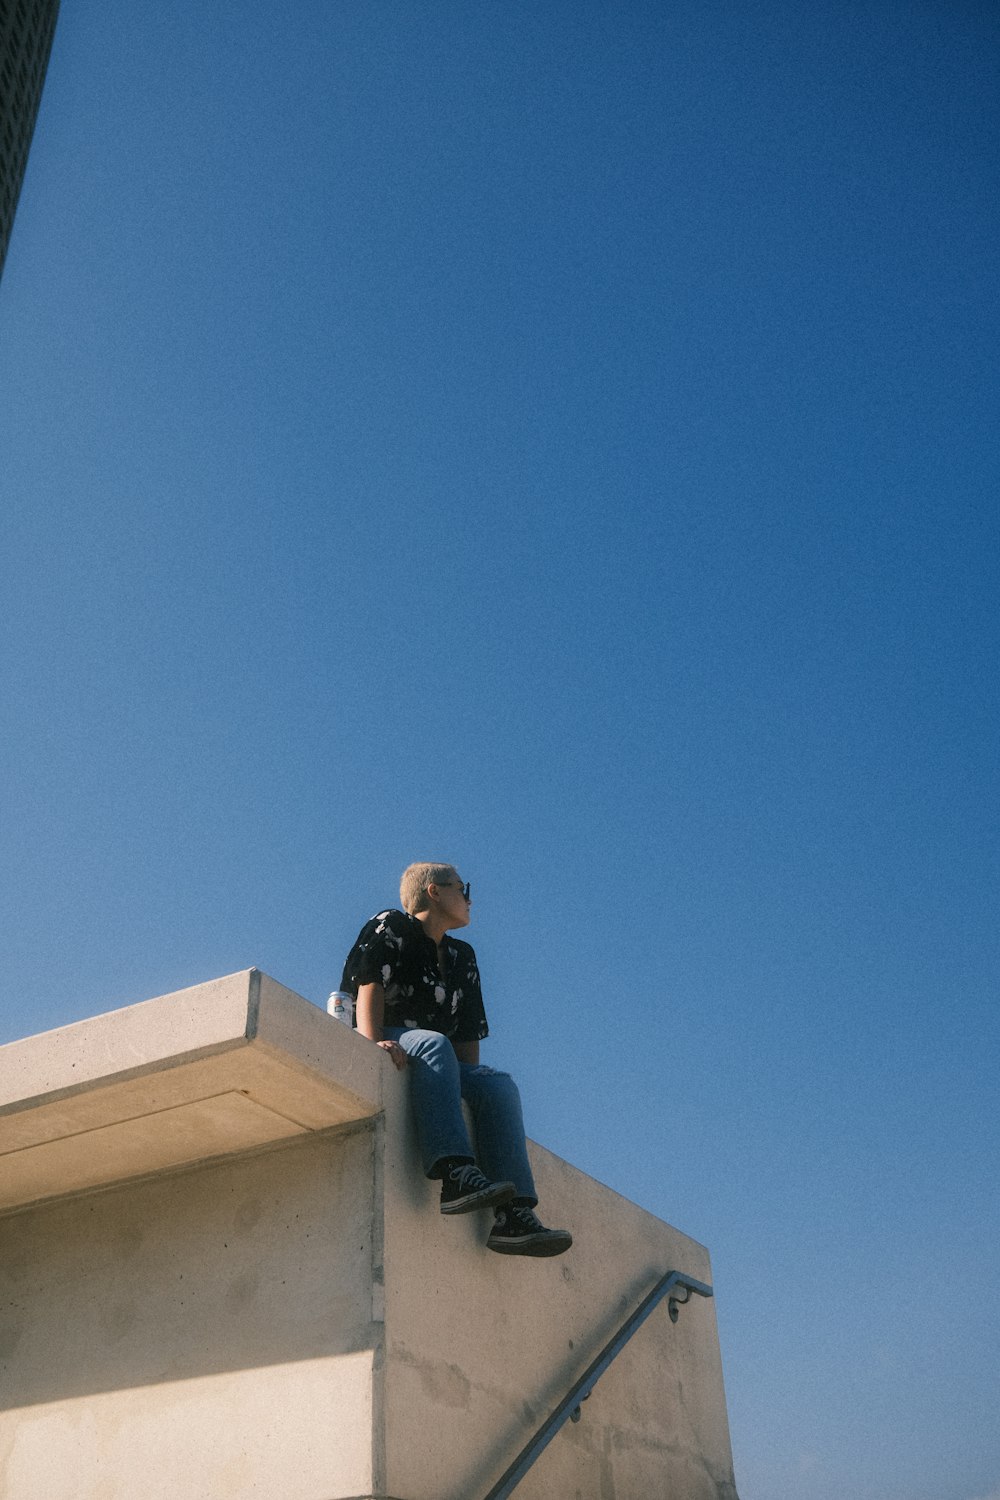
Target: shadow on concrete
pixel 250 1262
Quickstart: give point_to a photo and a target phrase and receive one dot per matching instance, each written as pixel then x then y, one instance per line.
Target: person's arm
pixel 467 1052
pixel 369 1013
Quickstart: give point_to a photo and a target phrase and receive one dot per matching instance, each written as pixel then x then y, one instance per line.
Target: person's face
pixel 453 903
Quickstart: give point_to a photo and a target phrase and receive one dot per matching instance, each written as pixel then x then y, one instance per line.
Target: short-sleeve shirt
pixel 393 950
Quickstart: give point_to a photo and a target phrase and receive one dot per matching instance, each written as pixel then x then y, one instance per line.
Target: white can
pixel 341 1007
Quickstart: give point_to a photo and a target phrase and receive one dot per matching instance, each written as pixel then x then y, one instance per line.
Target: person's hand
pixel 396 1052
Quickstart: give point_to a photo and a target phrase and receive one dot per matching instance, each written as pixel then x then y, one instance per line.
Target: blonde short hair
pixel 416 879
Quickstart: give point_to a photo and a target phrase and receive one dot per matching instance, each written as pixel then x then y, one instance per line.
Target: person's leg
pixel 496 1109
pixel 436 1097
pixel 435 1092
pixel 495 1103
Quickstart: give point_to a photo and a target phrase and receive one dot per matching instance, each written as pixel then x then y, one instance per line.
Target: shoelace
pixel 519 1216
pixel 468 1176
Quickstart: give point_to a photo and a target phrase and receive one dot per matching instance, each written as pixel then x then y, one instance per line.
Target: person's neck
pixel 432 924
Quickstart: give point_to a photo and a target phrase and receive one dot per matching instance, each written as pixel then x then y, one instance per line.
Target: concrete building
pixel 222 1275
pixel 26 31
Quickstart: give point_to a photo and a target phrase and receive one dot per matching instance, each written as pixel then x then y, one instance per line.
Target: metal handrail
pixel 568 1409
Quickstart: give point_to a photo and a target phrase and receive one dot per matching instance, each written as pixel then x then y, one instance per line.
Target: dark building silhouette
pixel 26 31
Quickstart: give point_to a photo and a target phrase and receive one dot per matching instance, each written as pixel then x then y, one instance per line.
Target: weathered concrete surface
pixel 480 1347
pixel 205 1335
pixel 288 1317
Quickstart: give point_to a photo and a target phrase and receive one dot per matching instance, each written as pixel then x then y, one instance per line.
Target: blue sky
pixel 559 438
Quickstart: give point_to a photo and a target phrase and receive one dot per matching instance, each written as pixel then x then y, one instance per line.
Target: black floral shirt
pixel 393 950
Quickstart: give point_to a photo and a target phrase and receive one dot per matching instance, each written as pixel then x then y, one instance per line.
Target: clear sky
pixel 558 437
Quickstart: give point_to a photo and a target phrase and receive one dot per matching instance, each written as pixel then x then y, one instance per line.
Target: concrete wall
pixel 196 1335
pixel 294 1320
pixel 480 1347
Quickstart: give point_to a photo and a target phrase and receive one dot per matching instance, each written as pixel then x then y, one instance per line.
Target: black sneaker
pixel 517 1231
pixel 465 1188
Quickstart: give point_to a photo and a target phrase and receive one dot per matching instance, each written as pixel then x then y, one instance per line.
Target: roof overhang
pixel 234 1065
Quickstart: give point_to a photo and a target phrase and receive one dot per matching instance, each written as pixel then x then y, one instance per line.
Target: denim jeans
pixel 438 1084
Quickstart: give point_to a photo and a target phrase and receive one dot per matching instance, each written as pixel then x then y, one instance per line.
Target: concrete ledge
pixel 223 1273
pixel 224 1067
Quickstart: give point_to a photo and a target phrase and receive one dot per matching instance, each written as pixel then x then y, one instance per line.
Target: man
pixel 418 997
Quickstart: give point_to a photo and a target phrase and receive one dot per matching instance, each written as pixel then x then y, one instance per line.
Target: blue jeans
pixel 438 1084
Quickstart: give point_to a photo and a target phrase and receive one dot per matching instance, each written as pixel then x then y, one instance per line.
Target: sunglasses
pixel 465 889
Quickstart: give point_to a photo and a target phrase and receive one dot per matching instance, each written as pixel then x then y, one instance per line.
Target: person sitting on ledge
pixel 418 996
